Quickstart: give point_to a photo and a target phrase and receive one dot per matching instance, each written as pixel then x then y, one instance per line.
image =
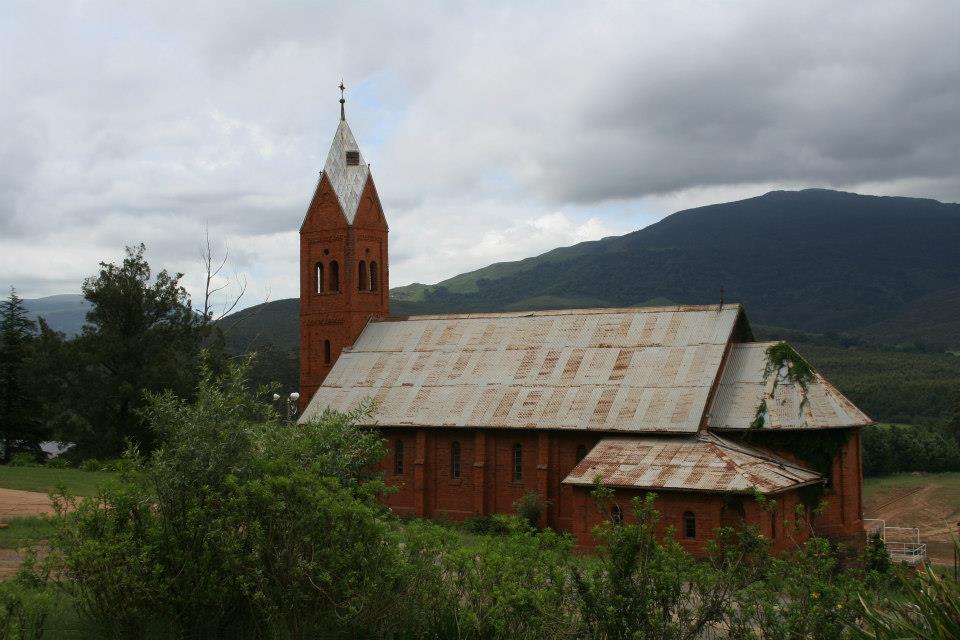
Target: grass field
pixel 946 487
pixel 25 531
pixel 45 479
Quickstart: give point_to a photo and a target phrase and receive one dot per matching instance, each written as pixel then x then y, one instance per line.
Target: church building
pixel 480 409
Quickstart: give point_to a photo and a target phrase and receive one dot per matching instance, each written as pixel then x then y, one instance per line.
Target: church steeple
pixel 344 273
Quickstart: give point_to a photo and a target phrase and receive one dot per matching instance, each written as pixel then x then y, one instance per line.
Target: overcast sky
pixel 495 131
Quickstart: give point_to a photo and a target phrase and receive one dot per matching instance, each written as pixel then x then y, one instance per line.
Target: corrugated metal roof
pixel 700 463
pixel 745 385
pixel 634 370
pixel 347 181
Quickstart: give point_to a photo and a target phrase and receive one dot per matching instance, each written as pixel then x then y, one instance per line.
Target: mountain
pixel 66 312
pixel 816 260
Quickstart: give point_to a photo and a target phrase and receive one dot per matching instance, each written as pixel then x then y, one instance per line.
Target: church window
pixel 689 525
pixel 362 276
pixel 398 458
pixel 334 276
pixel 581 453
pixel 455 460
pixel 353 158
pixel 373 275
pixel 616 514
pixel 319 276
pixel 517 462
pixel 326 352
pixel 773 524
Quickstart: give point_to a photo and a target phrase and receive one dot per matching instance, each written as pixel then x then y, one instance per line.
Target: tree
pixel 140 336
pixel 18 419
pixel 953 423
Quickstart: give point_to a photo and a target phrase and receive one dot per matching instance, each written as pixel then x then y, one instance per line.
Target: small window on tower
pixel 334 276
pixel 353 158
pixel 326 352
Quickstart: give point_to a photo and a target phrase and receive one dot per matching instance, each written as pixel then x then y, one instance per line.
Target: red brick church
pixel 479 409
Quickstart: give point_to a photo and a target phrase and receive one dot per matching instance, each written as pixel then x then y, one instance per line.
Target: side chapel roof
pixel 700 463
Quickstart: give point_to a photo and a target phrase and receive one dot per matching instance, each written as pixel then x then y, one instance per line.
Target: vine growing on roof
pixel 782 356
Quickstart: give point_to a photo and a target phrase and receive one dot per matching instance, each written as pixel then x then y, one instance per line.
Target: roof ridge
pixel 679 308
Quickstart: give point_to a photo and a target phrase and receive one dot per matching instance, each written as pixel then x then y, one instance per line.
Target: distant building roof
pixel 347 180
pixel 747 385
pixel 701 463
pixel 633 370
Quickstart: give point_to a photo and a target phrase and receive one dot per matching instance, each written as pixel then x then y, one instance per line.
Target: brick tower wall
pixel 338 316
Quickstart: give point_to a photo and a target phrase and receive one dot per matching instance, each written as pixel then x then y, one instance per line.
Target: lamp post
pixel 292 406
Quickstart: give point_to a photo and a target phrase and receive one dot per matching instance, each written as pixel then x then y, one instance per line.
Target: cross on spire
pixel 343 115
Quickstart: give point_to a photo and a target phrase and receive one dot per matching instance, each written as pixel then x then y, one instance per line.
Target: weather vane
pixel 343 115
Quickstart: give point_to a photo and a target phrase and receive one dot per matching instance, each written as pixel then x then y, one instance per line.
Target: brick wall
pixel 427 487
pixel 338 316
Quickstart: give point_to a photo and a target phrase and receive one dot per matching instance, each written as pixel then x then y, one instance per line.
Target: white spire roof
pixel 347 180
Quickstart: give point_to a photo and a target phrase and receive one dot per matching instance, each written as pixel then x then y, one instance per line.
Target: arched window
pixel 334 276
pixel 326 352
pixel 773 524
pixel 319 276
pixel 517 462
pixel 616 514
pixel 581 453
pixel 373 275
pixel 362 276
pixel 689 525
pixel 455 460
pixel 398 458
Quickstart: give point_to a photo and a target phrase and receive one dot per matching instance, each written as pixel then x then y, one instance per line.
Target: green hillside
pixel 815 260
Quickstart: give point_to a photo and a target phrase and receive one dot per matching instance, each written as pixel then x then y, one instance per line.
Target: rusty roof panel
pixel 632 370
pixel 745 384
pixel 703 462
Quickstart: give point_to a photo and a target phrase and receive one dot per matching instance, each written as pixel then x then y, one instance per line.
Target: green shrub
pixel 927 606
pixel 58 463
pixel 90 464
pixel 238 525
pixel 23 459
pixel 23 610
pixel 530 508
pixel 497 525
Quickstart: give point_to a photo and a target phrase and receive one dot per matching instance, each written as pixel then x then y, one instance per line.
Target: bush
pixel 90 464
pixel 23 610
pixel 530 507
pixel 58 463
pixel 23 460
pixel 496 525
pixel 238 524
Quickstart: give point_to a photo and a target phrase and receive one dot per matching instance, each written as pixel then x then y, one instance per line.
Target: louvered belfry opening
pixel 353 158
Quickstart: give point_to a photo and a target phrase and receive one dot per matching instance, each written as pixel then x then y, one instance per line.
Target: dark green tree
pixel 18 418
pixel 140 336
pixel 953 423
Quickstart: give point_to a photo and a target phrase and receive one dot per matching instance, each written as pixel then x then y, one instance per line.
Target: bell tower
pixel 344 275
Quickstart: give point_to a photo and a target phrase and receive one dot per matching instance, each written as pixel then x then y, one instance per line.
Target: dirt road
pixel 23 503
